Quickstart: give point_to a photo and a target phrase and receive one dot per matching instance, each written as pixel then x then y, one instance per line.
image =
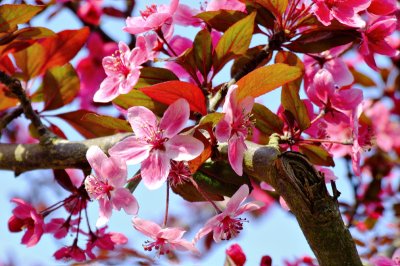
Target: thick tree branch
pixel 60 154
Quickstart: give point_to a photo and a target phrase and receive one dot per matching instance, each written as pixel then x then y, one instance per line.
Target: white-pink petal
pixel 143 121
pixel 183 148
pixel 175 118
pixel 131 150
pixel 155 169
pixel 123 198
pixel 96 157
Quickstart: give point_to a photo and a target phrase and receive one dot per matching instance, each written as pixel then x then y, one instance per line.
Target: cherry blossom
pixel 26 217
pixel 375 39
pixel 165 239
pixel 154 18
pixel 157 142
pixel 334 101
pixel 107 185
pixel 345 12
pixel 123 70
pixel 236 254
pixel 226 225
pixel 330 61
pixel 235 126
pixel 90 68
pixel 104 241
pixel 216 5
pixel 90 11
pixel 70 252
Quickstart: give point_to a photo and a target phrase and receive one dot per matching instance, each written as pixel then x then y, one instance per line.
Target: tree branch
pixel 7 118
pixel 14 85
pixel 60 154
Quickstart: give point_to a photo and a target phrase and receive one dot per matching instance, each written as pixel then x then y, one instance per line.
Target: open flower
pixel 235 126
pixel 122 69
pixel 375 39
pixel 156 143
pixel 25 216
pixel 153 18
pixel 345 12
pixel 104 241
pixel 165 239
pixel 227 225
pixel 107 185
pixel 70 252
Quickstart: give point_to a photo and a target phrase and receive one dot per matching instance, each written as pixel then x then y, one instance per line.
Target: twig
pixel 7 118
pixel 14 85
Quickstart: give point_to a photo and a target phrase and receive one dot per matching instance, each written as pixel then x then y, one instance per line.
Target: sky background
pixel 276 234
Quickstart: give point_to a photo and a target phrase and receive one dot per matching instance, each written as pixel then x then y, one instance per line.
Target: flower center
pixel 179 173
pixel 161 245
pixel 98 188
pixel 118 65
pixel 154 137
pixel 148 11
pixel 231 227
pixel 243 125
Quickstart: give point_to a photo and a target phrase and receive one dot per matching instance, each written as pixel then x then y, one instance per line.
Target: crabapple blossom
pixel 26 216
pixel 236 254
pixel 235 126
pixel 216 5
pixel 104 241
pixel 90 11
pixel 384 261
pixel 165 239
pixel 375 39
pixel 345 12
pixel 226 225
pixel 70 252
pixel 107 185
pixel 156 143
pixel 382 7
pixel 122 69
pixel 154 18
pixel 336 102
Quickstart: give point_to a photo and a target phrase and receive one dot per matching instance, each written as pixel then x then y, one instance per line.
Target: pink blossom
pixel 123 70
pixel 104 241
pixel 185 16
pixel 26 217
pixel 154 18
pixel 59 227
pixel 382 7
pixel 216 5
pixel 71 252
pixel 226 225
pixel 90 68
pixel 165 239
pixel 384 261
pixel 90 11
pixel 375 39
pixel 235 126
pixel 328 173
pixel 156 143
pixel 179 173
pixel 345 12
pixel 334 101
pixel 330 61
pixel 107 185
pixel 236 254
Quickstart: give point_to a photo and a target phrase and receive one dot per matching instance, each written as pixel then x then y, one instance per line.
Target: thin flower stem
pixel 328 141
pixel 217 209
pixel 320 115
pixel 161 36
pixel 166 205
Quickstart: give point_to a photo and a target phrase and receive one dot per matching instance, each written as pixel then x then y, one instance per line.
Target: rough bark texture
pixel 293 177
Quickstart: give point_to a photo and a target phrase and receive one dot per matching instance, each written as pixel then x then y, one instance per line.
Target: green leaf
pixel 153 75
pixel 108 122
pixel 60 86
pixel 31 60
pixel 276 7
pixel 221 20
pixel 211 119
pixel 202 51
pixel 138 98
pixel 290 97
pixel 317 154
pixel 85 128
pixel 235 41
pixel 321 40
pixel 266 79
pixel 266 121
pixel 12 15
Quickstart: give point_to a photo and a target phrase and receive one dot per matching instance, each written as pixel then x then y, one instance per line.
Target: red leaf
pixel 170 91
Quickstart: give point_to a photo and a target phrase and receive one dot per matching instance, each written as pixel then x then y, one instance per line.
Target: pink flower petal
pixel 171 234
pixel 175 118
pixel 142 120
pixel 223 130
pixel 105 212
pixel 114 170
pixel 155 169
pixel 131 149
pixel 183 148
pixel 122 198
pixel 108 90
pixel 236 149
pixel 96 157
pixel 237 198
pixel 148 228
